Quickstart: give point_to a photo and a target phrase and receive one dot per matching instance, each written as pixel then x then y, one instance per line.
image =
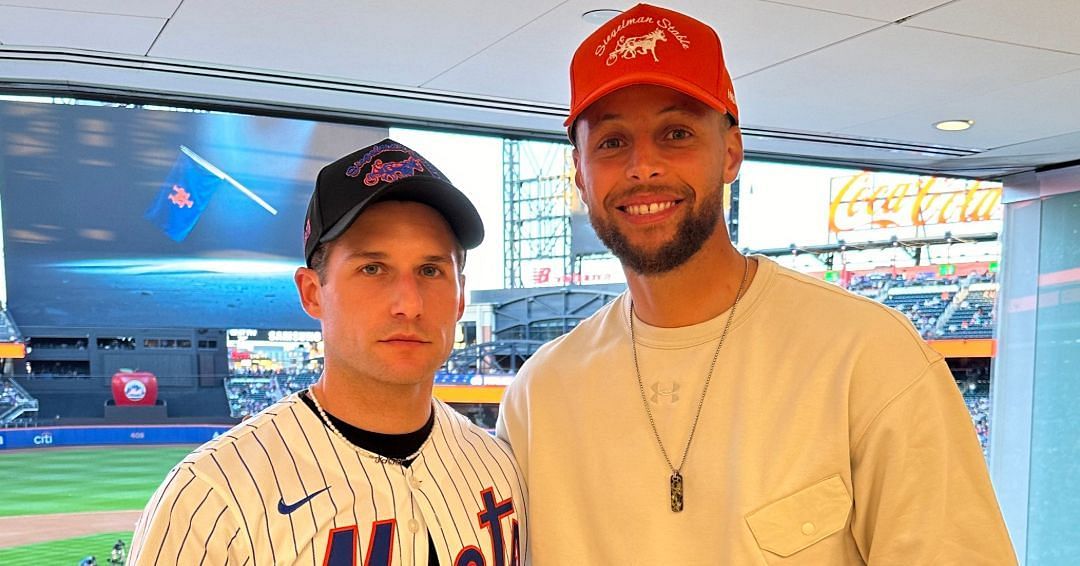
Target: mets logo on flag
pixel 180 197
pixel 135 390
pixel 186 193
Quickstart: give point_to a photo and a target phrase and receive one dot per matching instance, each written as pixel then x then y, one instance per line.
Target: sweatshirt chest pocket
pixel 803 518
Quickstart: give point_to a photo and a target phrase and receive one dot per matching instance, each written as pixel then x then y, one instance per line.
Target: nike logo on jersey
pixel 285 509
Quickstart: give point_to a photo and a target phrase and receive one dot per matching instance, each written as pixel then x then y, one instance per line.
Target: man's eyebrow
pixel 609 117
pixel 377 255
pixel 366 254
pixel 438 258
pixel 681 109
pixel 673 109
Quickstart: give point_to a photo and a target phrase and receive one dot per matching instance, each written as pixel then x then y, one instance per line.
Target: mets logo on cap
pixel 389 162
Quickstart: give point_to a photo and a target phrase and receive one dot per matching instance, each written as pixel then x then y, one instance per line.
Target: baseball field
pixel 60 505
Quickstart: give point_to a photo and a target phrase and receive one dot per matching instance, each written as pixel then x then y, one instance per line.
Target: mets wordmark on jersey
pixel 280 488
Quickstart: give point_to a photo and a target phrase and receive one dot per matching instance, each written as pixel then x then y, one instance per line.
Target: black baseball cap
pixel 384 171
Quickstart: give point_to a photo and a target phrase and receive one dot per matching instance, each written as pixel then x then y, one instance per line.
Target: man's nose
pixel 408 302
pixel 645 161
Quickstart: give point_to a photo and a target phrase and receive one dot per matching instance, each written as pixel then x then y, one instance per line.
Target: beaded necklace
pixel 366 453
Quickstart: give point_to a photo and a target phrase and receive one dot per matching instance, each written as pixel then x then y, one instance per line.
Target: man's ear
pixel 310 289
pixel 461 296
pixel 733 153
pixel 578 179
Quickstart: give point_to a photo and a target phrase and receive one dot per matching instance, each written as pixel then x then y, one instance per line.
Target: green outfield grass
pixel 73 480
pixel 67 552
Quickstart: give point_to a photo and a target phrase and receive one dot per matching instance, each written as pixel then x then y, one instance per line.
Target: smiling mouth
pixel 651 208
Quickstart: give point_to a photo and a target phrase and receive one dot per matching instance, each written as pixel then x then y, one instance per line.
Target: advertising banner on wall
pixel 49 437
pixel 551 273
pixel 869 207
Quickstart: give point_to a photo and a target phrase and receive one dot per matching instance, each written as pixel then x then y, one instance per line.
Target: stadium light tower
pixel 538 192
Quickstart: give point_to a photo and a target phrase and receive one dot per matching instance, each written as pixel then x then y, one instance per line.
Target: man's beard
pixel 691 235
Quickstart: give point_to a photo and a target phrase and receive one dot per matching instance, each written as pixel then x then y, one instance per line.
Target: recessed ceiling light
pixel 597 17
pixel 954 125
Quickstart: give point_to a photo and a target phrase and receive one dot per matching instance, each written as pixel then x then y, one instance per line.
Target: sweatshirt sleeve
pixel 512 425
pixel 921 486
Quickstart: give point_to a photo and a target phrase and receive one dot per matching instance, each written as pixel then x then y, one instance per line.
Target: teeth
pixel 651 208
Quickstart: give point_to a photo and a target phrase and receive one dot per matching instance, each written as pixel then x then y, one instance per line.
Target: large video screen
pixel 136 216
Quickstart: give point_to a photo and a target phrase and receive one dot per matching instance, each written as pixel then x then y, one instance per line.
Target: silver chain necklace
pixel 366 453
pixel 676 472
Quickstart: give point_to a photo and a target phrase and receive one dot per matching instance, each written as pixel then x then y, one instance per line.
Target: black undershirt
pixel 395 446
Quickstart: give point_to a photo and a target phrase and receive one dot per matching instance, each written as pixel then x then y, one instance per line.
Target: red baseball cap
pixel 651 45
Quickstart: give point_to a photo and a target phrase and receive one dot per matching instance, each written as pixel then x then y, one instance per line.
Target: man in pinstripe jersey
pixel 365 467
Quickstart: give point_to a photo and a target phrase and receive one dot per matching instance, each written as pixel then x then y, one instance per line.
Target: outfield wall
pixel 49 437
pixel 85 398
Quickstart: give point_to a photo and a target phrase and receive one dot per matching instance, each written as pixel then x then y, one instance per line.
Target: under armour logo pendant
pixel 676 492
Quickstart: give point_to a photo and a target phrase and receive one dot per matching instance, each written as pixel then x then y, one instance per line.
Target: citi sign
pixel 43 439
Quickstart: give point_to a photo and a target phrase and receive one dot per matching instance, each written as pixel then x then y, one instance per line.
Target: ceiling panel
pixel 816 67
pixel 77 30
pixel 1050 24
pixel 1010 115
pixel 147 8
pixel 533 62
pixel 885 73
pixel 401 43
pixel 887 11
pixel 1046 151
pixel 758 34
pixel 1015 158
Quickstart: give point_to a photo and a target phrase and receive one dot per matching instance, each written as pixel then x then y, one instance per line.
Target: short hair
pixel 318 260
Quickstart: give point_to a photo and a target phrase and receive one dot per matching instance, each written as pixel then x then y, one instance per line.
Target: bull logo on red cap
pixel 631 47
pixel 640 45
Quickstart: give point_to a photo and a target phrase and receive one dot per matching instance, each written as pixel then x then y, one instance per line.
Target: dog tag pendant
pixel 676 492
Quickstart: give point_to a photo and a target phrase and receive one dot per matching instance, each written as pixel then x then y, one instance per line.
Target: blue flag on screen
pixel 183 198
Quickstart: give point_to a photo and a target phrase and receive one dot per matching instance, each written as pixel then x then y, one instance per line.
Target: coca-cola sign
pixel 860 203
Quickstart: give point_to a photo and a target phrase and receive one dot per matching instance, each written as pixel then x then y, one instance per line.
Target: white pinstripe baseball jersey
pixel 280 488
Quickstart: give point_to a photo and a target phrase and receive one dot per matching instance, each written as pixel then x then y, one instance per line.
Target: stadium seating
pixel 973 317
pixel 8 331
pixel 924 309
pixel 939 307
pixel 15 402
pixel 446 378
pixel 979 407
pixel 867 284
pixel 249 393
pixel 974 384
